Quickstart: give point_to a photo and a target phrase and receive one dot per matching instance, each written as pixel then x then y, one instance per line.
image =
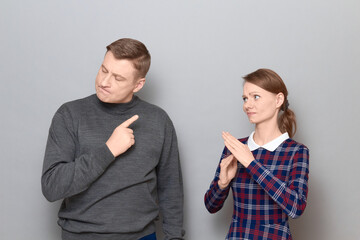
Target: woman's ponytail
pixel 287 120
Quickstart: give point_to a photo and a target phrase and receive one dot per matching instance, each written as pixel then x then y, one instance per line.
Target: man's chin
pixel 103 98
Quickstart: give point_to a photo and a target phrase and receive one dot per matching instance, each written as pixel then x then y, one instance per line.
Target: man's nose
pixel 105 81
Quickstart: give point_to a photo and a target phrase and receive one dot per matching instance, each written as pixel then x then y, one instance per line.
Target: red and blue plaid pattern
pixel 272 188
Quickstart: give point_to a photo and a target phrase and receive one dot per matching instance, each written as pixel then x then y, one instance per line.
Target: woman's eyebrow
pixel 251 93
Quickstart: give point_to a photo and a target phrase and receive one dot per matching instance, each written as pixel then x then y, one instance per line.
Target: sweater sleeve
pixel 170 186
pixel 215 196
pixel 64 173
pixel 291 195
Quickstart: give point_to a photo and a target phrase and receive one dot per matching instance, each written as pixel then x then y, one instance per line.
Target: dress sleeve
pixel 290 196
pixel 215 196
pixel 170 185
pixel 65 174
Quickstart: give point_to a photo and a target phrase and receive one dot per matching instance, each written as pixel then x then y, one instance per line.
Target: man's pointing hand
pixel 122 138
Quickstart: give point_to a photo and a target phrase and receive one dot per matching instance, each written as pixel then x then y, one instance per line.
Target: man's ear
pixel 279 99
pixel 139 85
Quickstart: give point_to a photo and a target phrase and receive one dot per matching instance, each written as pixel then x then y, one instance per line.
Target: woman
pixel 267 171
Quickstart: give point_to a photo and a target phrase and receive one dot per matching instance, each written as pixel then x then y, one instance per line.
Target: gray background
pixel 50 52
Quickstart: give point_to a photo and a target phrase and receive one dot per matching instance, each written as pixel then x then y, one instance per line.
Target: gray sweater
pixel 107 197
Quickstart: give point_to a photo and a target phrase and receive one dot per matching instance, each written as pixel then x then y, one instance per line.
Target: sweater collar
pixel 270 146
pixel 116 108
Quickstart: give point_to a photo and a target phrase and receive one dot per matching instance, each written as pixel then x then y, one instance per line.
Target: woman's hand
pixel 228 169
pixel 240 151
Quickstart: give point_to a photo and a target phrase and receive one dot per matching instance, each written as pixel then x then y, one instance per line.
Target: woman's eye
pixel 256 97
pixel 245 99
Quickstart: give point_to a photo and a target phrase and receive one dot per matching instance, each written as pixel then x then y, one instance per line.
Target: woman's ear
pixel 280 98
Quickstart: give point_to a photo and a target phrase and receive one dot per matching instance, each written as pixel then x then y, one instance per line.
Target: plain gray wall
pixel 50 52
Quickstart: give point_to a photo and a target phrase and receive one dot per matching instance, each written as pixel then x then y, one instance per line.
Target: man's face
pixel 116 81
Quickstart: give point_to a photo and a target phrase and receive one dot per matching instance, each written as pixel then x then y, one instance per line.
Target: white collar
pixel 270 146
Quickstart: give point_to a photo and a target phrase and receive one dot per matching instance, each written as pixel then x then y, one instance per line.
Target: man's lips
pixel 104 90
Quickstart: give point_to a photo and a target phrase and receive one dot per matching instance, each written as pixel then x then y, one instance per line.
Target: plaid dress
pixel 272 188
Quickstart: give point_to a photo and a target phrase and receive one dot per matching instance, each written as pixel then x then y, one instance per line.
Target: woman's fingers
pixel 226 161
pixel 231 140
pixel 240 151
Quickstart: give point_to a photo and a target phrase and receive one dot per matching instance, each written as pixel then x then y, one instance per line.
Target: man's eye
pixel 245 99
pixel 256 97
pixel 103 70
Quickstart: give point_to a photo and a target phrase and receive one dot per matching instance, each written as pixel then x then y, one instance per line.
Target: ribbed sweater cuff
pixel 103 156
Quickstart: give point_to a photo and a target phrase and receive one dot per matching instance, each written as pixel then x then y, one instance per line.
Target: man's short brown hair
pixel 133 50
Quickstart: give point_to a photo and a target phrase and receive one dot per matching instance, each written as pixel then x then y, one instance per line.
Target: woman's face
pixel 261 105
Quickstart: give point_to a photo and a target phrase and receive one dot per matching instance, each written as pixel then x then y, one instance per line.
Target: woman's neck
pixel 266 132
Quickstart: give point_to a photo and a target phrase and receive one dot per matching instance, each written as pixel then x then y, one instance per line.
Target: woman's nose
pixel 248 104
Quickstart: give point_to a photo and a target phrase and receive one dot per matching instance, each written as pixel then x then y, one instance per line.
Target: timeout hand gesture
pixel 240 151
pixel 122 138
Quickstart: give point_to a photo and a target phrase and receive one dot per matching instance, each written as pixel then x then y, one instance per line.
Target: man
pixel 113 157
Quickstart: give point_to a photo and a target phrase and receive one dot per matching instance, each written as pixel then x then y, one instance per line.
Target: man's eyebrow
pixel 114 74
pixel 119 75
